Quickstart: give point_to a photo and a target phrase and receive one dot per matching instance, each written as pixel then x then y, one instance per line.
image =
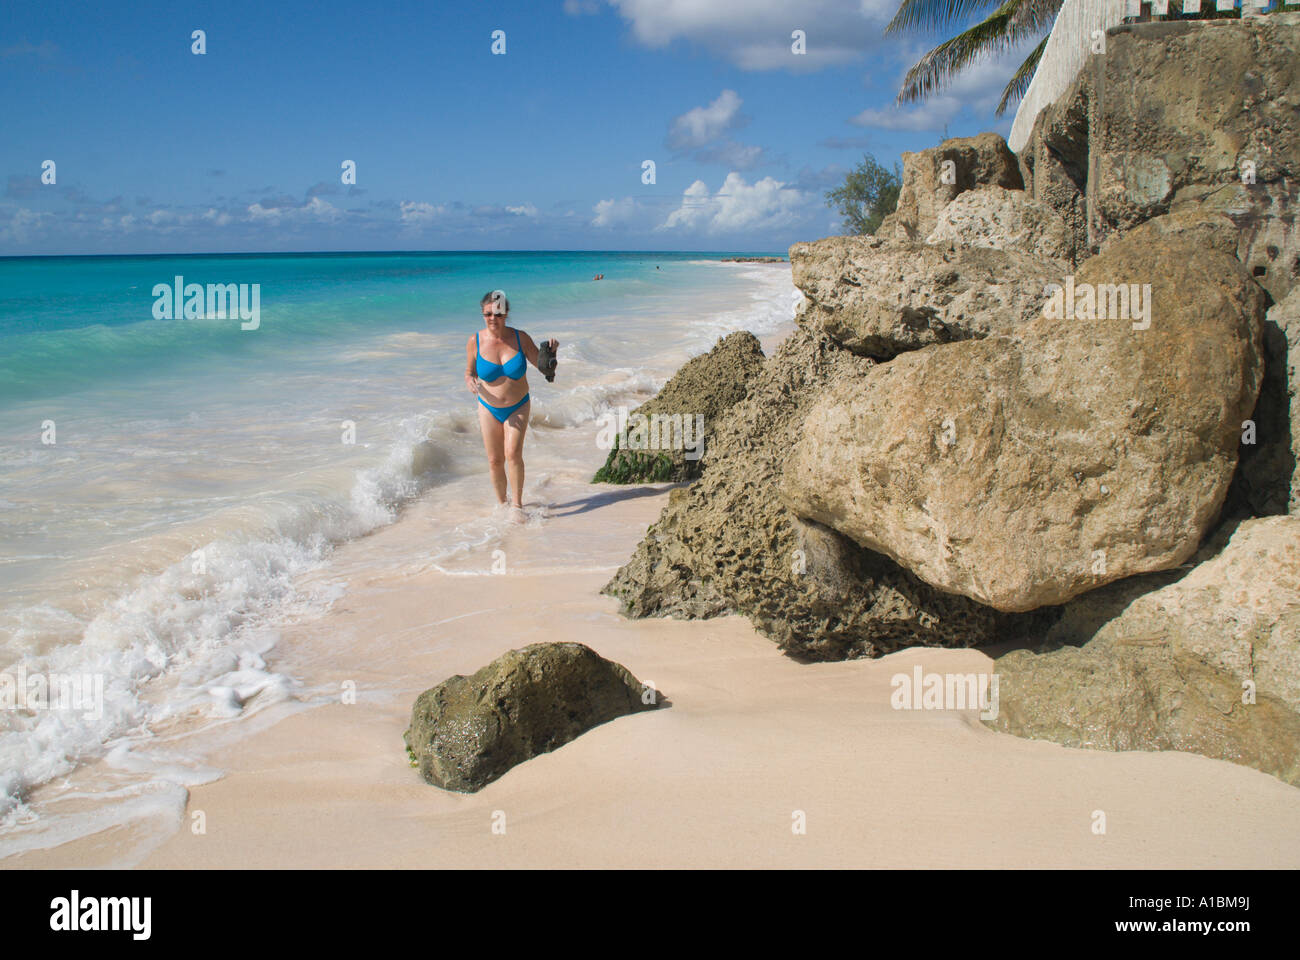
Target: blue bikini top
pixel 514 368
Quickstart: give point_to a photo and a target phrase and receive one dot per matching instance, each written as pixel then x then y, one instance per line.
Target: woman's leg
pixel 516 426
pixel 493 442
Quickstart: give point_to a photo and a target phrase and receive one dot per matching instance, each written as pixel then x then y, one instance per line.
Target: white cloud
pixel 736 206
pixel 702 125
pixel 933 114
pixel 23 224
pixel 319 210
pixel 314 210
pixel 105 220
pixel 702 130
pixel 523 210
pixel 415 213
pixel 258 212
pixel 164 221
pixel 612 212
pixel 755 34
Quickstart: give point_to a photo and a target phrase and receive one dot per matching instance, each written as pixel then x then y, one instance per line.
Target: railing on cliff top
pixel 1071 41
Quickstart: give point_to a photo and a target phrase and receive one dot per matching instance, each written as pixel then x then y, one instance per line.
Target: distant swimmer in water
pixel 502 390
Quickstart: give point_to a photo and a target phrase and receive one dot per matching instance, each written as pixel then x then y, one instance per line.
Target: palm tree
pixel 1011 23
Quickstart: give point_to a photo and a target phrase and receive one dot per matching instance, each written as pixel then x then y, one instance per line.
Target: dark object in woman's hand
pixel 547 360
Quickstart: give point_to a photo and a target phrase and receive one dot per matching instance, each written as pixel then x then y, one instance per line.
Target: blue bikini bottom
pixel 503 413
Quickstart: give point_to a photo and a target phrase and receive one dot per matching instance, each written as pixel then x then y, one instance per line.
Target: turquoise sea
pixel 165 481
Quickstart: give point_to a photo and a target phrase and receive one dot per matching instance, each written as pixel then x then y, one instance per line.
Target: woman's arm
pixel 471 377
pixel 530 348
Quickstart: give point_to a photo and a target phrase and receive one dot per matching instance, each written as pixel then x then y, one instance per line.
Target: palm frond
pixel 1019 83
pixel 995 34
pixel 1034 15
pixel 933 14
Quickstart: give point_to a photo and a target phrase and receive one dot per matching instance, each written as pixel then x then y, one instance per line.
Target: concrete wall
pixel 1070 44
pixel 1068 49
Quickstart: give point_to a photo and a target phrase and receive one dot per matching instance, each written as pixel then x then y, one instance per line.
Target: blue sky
pixel 160 150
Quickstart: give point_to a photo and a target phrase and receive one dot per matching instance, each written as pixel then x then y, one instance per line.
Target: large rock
pixel 1108 697
pixel 1209 664
pixel 1270 474
pixel 1001 219
pixel 675 422
pixel 726 544
pixel 1081 618
pixel 1024 470
pixel 1164 129
pixel 881 297
pixel 1238 612
pixel 1195 222
pixel 468 731
pixel 927 187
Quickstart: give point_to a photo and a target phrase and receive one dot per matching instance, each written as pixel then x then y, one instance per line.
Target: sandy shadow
pixel 606 497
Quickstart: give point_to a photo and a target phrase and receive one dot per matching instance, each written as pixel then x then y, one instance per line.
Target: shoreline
pixel 751 736
pixel 177 645
pixel 712 781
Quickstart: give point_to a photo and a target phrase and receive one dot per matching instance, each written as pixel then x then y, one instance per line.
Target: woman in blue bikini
pixel 496 361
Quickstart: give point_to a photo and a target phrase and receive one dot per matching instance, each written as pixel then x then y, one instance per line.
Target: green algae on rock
pixel 699 393
pixel 468 731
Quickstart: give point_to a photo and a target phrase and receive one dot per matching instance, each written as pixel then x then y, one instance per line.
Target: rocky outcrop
pixel 468 731
pixel 1202 226
pixel 933 178
pixel 1023 470
pixel 1209 664
pixel 934 458
pixel 880 297
pixel 992 456
pixel 1001 219
pixel 1054 163
pixel 1163 129
pixel 1238 612
pixel 726 544
pixel 1142 697
pixel 676 422
pixel 1146 128
pixel 1270 473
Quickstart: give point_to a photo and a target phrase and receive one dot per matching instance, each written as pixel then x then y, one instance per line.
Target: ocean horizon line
pixel 372 253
